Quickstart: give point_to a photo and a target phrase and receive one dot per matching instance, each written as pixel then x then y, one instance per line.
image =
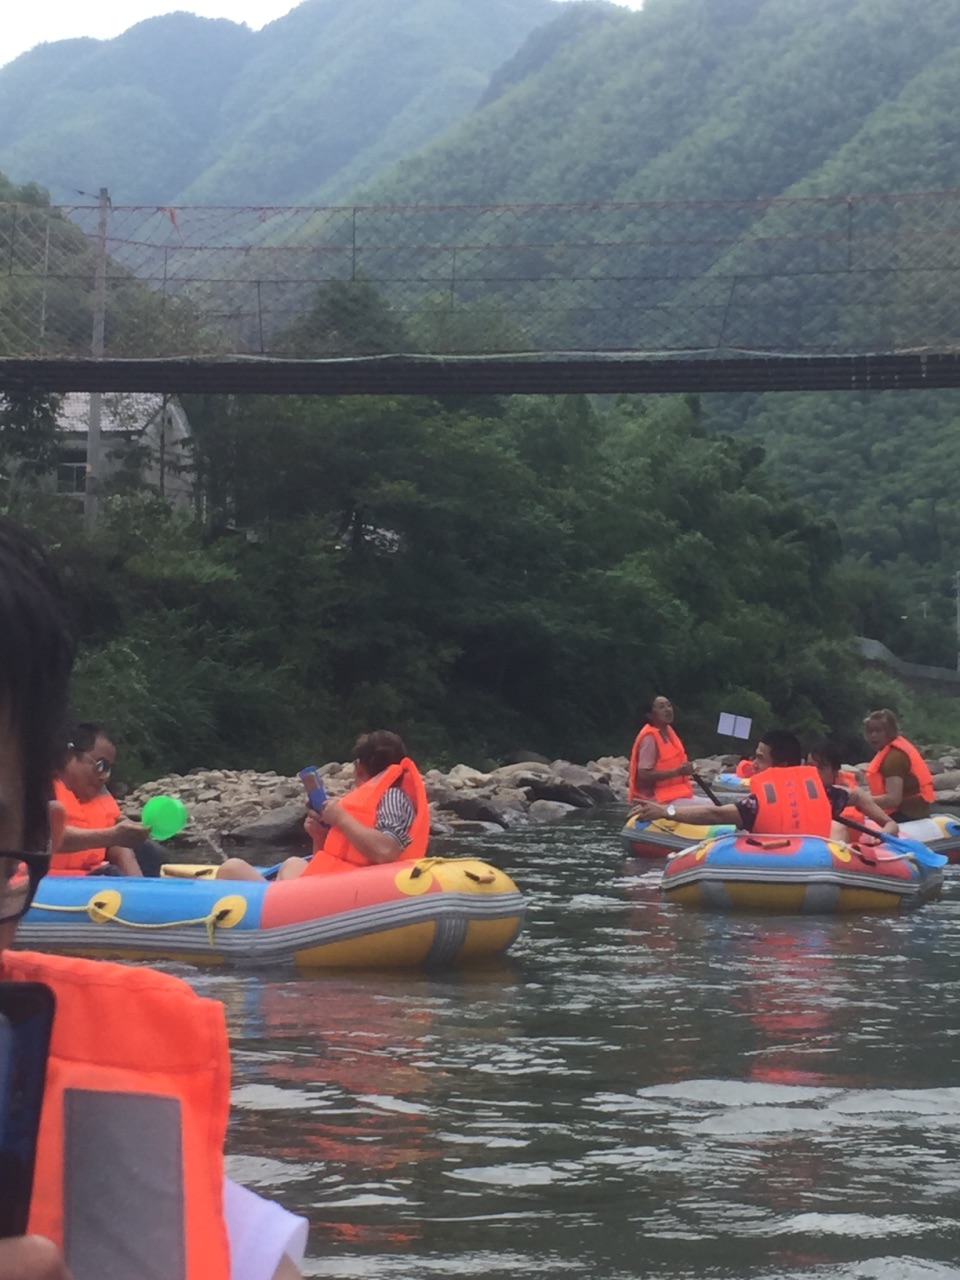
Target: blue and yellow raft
pixel 798 874
pixel 432 912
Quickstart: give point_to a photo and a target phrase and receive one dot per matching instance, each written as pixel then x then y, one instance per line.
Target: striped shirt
pixel 395 815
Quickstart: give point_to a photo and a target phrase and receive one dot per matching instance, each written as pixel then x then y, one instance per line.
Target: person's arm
pixel 378 846
pixel 868 806
pixel 124 833
pixel 698 815
pixel 645 776
pixel 36 1258
pixel 892 793
pixel 124 859
pixel 895 770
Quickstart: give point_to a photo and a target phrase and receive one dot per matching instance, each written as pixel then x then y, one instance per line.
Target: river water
pixel 635 1091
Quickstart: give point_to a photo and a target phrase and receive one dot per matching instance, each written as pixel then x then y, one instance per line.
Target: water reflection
pixel 638 1091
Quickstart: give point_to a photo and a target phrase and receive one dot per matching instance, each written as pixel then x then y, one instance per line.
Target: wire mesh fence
pixel 875 273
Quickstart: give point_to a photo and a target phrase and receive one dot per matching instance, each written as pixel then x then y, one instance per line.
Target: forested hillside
pixel 709 100
pixel 184 109
pixel 487 573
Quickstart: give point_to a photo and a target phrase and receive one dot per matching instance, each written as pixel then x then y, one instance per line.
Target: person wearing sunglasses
pixel 137 1058
pixel 97 839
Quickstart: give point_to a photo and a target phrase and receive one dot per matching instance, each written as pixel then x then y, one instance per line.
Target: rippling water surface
pixel 636 1091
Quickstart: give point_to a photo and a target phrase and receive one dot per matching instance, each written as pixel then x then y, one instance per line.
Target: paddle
pixel 901 844
pixel 704 788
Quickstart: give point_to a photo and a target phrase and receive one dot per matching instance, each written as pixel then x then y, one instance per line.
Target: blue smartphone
pixel 313 785
pixel 26 1018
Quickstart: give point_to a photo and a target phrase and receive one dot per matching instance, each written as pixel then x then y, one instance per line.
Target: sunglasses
pixel 25 871
pixel 103 767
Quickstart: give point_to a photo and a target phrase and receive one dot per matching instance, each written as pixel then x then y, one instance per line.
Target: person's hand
pixel 31 1258
pixel 333 813
pixel 647 810
pixel 314 826
pixel 891 828
pixel 684 770
pixel 129 834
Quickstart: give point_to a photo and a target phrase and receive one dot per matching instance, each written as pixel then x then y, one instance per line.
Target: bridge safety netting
pixel 869 273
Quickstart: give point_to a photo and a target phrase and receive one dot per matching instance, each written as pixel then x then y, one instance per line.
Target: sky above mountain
pixel 27 25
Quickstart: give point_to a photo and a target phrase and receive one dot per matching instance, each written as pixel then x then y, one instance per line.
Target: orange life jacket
pixel 670 754
pixel 745 769
pixel 789 801
pixel 336 853
pixel 918 768
pixel 846 778
pixel 129 1168
pixel 91 815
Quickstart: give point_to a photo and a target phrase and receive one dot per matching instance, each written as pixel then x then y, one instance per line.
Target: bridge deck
pixel 488 375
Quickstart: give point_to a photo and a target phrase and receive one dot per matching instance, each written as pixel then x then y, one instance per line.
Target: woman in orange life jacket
pixel 384 818
pixel 97 838
pixel 127 1045
pixel 826 759
pixel 659 768
pixel 897 776
pixel 785 795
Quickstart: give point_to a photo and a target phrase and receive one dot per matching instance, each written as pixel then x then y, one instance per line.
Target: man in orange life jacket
pixel 129 1174
pixel 826 758
pixel 384 818
pixel 97 838
pixel 659 768
pixel 897 776
pixel 785 796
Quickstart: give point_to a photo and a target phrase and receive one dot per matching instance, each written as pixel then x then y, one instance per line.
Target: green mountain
pixel 181 109
pixel 737 100
pixel 713 99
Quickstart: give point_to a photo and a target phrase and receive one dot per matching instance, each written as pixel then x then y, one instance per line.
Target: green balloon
pixel 165 816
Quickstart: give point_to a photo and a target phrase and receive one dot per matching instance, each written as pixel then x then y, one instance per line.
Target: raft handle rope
pixel 223 915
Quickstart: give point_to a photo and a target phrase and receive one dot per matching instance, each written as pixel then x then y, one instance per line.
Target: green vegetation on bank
pixel 481 575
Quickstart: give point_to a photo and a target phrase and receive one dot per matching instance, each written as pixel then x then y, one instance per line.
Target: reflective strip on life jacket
pixel 789 801
pixel 877 783
pixel 670 754
pixel 338 854
pixel 129 1173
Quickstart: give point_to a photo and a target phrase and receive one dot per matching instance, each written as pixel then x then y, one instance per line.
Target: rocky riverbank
pixel 240 807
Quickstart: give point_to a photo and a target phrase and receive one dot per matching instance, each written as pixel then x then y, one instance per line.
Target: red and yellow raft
pixel 799 874
pixel 432 912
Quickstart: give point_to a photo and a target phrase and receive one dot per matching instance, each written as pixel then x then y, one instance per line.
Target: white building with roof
pixel 135 428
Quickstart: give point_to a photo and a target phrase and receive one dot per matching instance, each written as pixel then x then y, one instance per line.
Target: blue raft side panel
pixel 147 901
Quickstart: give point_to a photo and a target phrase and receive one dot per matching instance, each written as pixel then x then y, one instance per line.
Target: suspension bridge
pixel 821 292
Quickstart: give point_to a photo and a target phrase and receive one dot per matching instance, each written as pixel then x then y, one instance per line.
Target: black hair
pixel 785 749
pixel 378 750
pixel 36 658
pixel 828 752
pixel 82 736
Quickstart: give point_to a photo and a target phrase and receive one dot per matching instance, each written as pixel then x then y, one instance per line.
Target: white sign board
pixel 732 726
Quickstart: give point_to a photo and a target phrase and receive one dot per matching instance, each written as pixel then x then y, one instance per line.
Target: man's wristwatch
pixel 671 810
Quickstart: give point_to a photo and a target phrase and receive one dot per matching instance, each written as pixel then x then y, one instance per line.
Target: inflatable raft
pixel 798 874
pixel 663 836
pixel 433 912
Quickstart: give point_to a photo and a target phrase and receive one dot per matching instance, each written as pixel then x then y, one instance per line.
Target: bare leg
pixel 237 869
pixel 290 868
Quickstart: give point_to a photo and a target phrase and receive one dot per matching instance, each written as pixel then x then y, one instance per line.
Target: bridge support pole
pixel 91 491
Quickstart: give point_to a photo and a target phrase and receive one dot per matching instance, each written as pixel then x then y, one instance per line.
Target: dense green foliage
pixel 489 574
pixel 884 467
pixel 181 109
pixel 481 575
